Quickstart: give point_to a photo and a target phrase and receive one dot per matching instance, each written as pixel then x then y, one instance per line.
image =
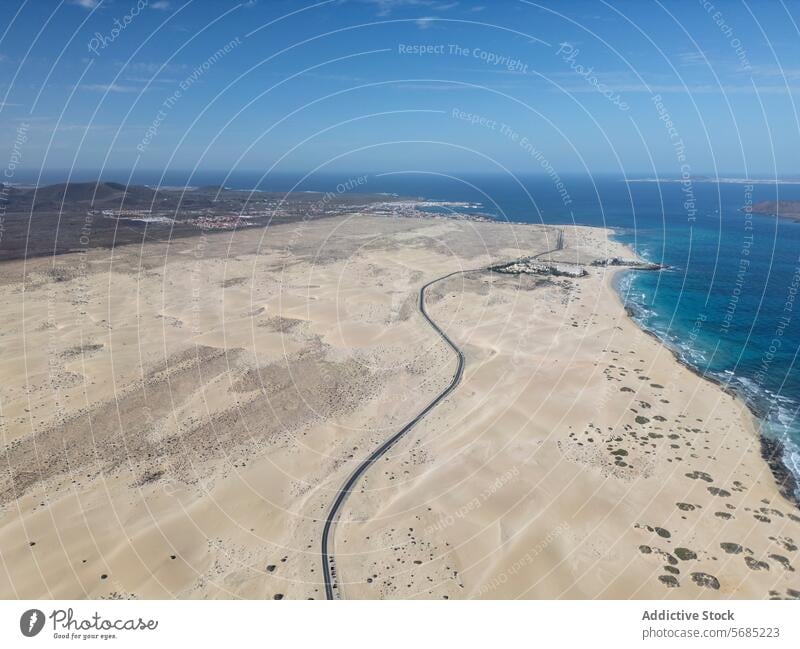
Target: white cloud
pixel 146 80
pixel 774 72
pixel 47 125
pixel 691 89
pixel 111 87
pixel 425 22
pixel 161 5
pixel 149 68
pixel 385 7
pixel 692 58
pixel 444 86
pixel 86 4
pixel 68 128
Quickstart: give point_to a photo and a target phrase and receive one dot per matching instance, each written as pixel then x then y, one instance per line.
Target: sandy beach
pixel 175 419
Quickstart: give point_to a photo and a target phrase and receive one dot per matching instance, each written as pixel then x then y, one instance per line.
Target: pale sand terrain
pixel 176 420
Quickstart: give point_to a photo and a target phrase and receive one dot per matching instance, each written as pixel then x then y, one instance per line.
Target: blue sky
pixel 633 87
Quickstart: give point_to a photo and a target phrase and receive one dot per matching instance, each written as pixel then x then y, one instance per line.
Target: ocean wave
pixel 777 413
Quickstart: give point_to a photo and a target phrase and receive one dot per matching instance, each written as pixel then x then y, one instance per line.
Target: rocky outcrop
pixel 628 263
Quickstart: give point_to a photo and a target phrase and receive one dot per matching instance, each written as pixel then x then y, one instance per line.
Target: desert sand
pixel 175 419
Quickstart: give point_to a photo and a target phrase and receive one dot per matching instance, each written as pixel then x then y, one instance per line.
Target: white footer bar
pixel 387 625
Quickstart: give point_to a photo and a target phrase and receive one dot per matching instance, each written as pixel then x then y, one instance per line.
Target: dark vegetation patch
pixel 705 580
pixel 755 564
pixel 783 561
pixel 716 491
pixel 731 548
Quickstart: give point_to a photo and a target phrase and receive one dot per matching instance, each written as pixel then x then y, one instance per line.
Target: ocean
pixel 727 304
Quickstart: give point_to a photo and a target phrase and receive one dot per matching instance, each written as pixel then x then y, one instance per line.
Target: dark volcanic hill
pixel 68 217
pixel 785 209
pixel 97 195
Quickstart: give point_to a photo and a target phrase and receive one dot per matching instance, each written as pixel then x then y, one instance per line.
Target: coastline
pixel 772 449
pixel 575 460
pixel 595 480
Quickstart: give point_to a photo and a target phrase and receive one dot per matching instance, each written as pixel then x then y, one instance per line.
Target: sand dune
pixel 176 418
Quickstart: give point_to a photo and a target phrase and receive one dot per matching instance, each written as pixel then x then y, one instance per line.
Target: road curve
pixel 328 566
pixel 328 570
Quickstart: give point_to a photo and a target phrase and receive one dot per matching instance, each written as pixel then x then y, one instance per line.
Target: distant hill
pixel 94 194
pixel 56 219
pixel 51 198
pixel 784 209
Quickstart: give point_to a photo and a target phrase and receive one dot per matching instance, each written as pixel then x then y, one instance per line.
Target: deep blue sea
pixel 727 304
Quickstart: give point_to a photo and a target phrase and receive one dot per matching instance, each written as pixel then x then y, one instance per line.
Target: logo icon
pixel 31 622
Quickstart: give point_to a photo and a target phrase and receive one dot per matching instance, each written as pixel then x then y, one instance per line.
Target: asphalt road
pixel 328 569
pixel 328 564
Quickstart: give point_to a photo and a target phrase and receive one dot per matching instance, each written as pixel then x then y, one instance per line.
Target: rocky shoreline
pixel 628 263
pixel 772 450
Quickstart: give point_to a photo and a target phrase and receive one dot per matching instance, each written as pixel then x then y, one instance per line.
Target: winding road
pixel 328 563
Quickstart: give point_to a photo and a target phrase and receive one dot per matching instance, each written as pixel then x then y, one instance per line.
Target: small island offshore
pixel 785 209
pixel 219 394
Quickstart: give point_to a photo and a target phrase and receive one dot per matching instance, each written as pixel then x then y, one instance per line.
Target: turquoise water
pixel 727 305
